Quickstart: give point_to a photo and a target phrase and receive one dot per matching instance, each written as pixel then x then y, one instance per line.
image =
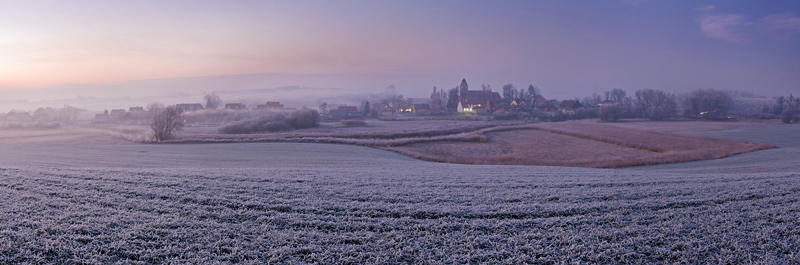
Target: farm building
pixel 403 107
pixel 116 114
pixel 420 108
pixel 269 106
pixel 384 108
pixel 235 106
pixel 568 106
pixel 338 114
pixel 518 103
pixel 189 106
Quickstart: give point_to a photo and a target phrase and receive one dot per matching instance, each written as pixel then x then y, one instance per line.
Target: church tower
pixel 462 95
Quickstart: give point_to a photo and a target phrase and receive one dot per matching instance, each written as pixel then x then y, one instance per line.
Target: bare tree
pixel 616 95
pixel 509 93
pixel 534 93
pixel 707 103
pixel 163 123
pixel 212 101
pixel 438 99
pixel 653 104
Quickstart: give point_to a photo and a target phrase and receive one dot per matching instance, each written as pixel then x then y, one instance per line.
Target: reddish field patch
pixel 581 145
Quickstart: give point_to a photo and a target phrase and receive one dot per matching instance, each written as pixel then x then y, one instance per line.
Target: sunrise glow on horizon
pixel 570 46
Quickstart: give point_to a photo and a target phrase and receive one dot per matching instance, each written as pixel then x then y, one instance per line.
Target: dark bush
pixel 272 123
pixel 787 115
pixel 305 118
pixel 611 113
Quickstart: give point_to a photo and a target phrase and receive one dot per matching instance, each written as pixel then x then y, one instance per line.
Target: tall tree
pixel 508 95
pixel 533 92
pixel 163 124
pixel 654 104
pixel 366 108
pixel 212 101
pixel 616 95
pixel 452 100
pixel 323 108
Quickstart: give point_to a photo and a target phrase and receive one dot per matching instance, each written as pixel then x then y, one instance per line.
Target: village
pixel 459 102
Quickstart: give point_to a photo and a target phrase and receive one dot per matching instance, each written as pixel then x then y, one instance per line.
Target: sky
pixel 566 48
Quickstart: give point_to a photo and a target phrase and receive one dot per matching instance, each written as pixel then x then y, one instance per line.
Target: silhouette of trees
pixel 611 113
pixel 533 92
pixel 212 101
pixel 452 100
pixel 652 104
pixel 707 104
pixel 163 123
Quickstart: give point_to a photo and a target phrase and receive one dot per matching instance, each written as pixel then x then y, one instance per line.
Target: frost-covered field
pixel 318 203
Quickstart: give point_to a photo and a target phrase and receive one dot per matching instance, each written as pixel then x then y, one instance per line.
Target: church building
pixel 477 101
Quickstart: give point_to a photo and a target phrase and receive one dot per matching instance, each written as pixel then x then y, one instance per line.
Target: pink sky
pixel 576 46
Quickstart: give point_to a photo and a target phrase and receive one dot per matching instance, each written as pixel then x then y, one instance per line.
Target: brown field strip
pixel 577 145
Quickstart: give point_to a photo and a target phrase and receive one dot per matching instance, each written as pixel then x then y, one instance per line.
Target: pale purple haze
pixel 51 50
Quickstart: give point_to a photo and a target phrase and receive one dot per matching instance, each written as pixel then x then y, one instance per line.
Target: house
pixel 189 107
pixel 539 100
pixel 101 118
pixel 135 109
pixel 338 114
pixel 471 107
pixel 568 106
pixel 270 105
pixel 355 115
pixel 403 107
pixel 546 106
pixel 384 108
pixel 116 114
pixel 482 99
pixel 135 116
pixel 348 108
pixel 235 106
pixel 518 103
pixel 420 108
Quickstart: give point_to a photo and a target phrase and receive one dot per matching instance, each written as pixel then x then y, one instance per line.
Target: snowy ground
pixel 292 203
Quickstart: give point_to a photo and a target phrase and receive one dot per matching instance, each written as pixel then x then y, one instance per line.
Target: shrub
pixel 610 113
pixel 787 115
pixel 272 123
pixel 305 118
